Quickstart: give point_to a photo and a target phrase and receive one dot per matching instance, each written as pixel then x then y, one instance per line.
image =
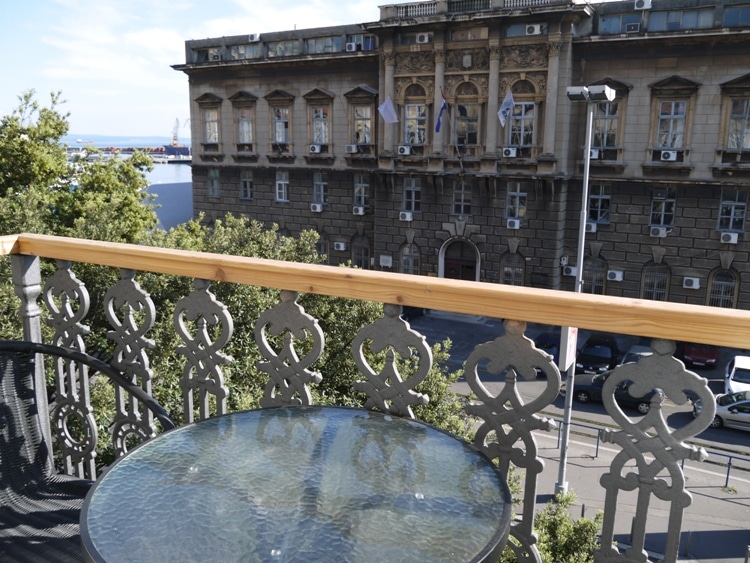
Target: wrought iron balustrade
pixel 651 451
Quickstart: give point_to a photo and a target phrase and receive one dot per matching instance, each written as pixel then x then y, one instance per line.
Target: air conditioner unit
pixel 514 223
pixel 253 37
pixel 642 5
pixel 351 47
pixel 404 150
pixel 339 246
pixel 510 152
pixel 590 227
pixel 351 149
pixel 691 283
pixel 658 232
pixel 424 38
pixel 594 154
pixel 534 29
pixel 570 271
pixel 314 149
pixel 614 275
pixel 632 27
pixel 358 210
pixel 668 156
pixel 316 207
pixel 729 238
pixel 405 216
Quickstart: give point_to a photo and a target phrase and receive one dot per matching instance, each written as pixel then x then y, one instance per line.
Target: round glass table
pixel 299 484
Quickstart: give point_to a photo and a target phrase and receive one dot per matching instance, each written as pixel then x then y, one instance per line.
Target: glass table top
pixel 299 484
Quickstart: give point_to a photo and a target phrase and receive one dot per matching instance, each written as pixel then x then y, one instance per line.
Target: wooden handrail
pixel 675 321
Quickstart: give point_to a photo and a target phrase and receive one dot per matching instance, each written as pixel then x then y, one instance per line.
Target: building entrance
pixel 460 261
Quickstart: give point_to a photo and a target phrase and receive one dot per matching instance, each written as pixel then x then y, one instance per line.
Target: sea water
pixel 172 185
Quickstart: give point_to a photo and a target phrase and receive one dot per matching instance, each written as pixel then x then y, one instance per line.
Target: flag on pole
pixel 443 107
pixel 388 111
pixel 506 108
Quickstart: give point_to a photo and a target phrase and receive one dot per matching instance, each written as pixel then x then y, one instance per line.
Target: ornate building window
pixel 362 107
pixel 319 103
pixel 600 199
pixel 735 121
pixel 412 194
pixel 409 259
pixel 672 102
pixel 732 211
pixel 246 184
pixel 244 120
pixel 361 252
pixel 594 275
pixel 210 112
pixel 512 269
pixel 467 114
pixel 655 280
pixel 723 288
pixel 280 111
pixel 663 206
pixel 521 127
pixel 415 116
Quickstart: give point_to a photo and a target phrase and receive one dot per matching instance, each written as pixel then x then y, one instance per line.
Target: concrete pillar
pixel 553 93
pixel 390 129
pixel 437 138
pixel 493 94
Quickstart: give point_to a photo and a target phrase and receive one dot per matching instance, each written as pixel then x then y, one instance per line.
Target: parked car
pixel 737 375
pixel 698 355
pixel 590 389
pixel 732 410
pixel 635 353
pixel 600 353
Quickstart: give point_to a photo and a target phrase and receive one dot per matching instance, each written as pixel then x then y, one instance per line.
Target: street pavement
pixel 715 526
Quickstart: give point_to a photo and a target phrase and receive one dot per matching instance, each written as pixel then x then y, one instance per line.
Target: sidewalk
pixel 715 527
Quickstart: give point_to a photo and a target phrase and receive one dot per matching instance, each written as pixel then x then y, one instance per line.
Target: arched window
pixel 594 275
pixel 512 268
pixel 723 288
pixel 410 260
pixel 655 280
pixel 361 252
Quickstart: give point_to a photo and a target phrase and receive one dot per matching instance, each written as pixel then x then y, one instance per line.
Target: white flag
pixel 506 108
pixel 388 112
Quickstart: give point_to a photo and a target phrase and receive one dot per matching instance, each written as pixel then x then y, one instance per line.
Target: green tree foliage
pixel 562 539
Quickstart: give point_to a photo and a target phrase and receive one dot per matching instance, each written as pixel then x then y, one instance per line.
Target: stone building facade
pixel 286 129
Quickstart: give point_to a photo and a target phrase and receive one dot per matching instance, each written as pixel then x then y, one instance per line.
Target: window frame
pixel 282 186
pixel 410 259
pixel 599 204
pixel 723 293
pixel 732 210
pixel 412 196
pixel 517 200
pixel 665 215
pixel 213 183
pixel 361 193
pixel 462 197
pixel 320 188
pixel 512 268
pixel 247 186
pixel 656 279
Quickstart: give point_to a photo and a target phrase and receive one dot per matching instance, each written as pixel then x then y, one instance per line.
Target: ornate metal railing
pixel 650 451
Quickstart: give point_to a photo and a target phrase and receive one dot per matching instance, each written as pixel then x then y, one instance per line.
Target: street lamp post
pixel 591 95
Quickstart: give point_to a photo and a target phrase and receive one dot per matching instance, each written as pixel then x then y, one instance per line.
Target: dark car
pixel 600 353
pixel 699 355
pixel 549 341
pixel 586 390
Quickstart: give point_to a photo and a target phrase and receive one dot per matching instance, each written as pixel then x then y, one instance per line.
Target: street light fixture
pixel 591 95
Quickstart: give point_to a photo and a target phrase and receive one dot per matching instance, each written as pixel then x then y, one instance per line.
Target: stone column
pixel 493 93
pixel 390 129
pixel 553 80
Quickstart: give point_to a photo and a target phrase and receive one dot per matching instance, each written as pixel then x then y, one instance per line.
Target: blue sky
pixel 111 60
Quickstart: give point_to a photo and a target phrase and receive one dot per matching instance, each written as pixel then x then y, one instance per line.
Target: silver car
pixel 732 410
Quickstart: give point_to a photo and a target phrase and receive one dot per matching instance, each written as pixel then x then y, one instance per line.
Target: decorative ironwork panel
pixel 508 420
pixel 290 376
pixel 385 387
pixel 72 419
pixel 205 326
pixel 652 452
pixel 131 313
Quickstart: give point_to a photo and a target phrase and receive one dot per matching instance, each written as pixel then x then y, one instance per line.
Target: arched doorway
pixel 459 260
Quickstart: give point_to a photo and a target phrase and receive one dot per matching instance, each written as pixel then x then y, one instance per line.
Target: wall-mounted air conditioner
pixel 594 154
pixel 405 216
pixel 658 232
pixel 514 223
pixel 253 38
pixel 339 246
pixel 729 238
pixel 691 283
pixel 351 149
pixel 314 149
pixel 570 271
pixel 668 156
pixel 614 275
pixel 510 152
pixel 351 47
pixel 358 210
pixel 632 27
pixel 316 207
pixel 590 227
pixel 534 29
pixel 404 150
pixel 424 38
pixel 642 5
